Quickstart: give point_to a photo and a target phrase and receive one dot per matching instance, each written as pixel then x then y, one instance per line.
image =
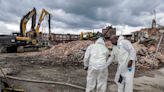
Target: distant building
pixel 108 31
pixel 58 38
pixel 128 36
pixel 146 33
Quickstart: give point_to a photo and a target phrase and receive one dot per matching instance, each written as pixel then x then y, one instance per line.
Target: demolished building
pixel 108 31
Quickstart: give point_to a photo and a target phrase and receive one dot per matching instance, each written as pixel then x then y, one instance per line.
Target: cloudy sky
pixel 74 16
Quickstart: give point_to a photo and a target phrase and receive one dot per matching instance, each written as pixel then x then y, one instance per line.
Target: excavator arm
pixel 43 14
pixel 25 19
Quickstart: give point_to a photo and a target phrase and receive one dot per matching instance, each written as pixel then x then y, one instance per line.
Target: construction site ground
pixel 22 67
pixel 60 69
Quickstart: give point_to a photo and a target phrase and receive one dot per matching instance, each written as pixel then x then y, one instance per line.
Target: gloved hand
pixel 86 68
pixel 130 63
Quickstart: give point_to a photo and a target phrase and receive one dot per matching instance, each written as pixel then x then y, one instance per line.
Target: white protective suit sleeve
pixel 87 56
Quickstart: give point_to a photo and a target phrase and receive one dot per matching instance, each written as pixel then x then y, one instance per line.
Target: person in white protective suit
pixel 125 54
pixel 95 60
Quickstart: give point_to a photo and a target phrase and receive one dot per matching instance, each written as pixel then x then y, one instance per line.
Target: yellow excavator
pixel 25 41
pixel 22 39
pixel 89 35
pixel 86 35
pixel 36 34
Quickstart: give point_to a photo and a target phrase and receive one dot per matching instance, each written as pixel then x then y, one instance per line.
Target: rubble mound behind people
pixel 72 53
pixel 64 53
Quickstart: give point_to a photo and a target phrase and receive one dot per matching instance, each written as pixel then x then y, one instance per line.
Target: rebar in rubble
pixel 159 43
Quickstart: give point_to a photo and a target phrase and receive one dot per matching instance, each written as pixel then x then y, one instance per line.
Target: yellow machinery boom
pixel 43 14
pixel 25 19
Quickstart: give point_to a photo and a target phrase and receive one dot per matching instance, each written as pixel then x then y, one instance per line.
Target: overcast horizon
pixel 74 16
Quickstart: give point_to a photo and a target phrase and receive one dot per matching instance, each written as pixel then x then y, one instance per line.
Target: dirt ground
pixel 27 68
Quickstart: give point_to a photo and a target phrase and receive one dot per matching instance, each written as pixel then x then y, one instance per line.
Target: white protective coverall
pixel 122 53
pixel 95 59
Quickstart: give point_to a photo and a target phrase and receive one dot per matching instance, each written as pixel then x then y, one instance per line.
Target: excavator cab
pixel 22 38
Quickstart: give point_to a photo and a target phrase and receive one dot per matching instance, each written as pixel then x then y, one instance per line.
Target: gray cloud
pixel 85 14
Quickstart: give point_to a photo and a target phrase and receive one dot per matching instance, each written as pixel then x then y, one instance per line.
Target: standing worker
pixel 125 54
pixel 95 60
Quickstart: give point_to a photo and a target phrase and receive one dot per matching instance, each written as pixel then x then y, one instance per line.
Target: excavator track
pixel 22 49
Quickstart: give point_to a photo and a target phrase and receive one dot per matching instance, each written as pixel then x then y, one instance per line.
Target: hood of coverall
pixel 100 41
pixel 120 38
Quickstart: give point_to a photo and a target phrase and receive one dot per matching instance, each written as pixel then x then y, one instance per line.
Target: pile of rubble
pixel 64 53
pixel 63 50
pixel 161 48
pixel 72 53
pixel 147 58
